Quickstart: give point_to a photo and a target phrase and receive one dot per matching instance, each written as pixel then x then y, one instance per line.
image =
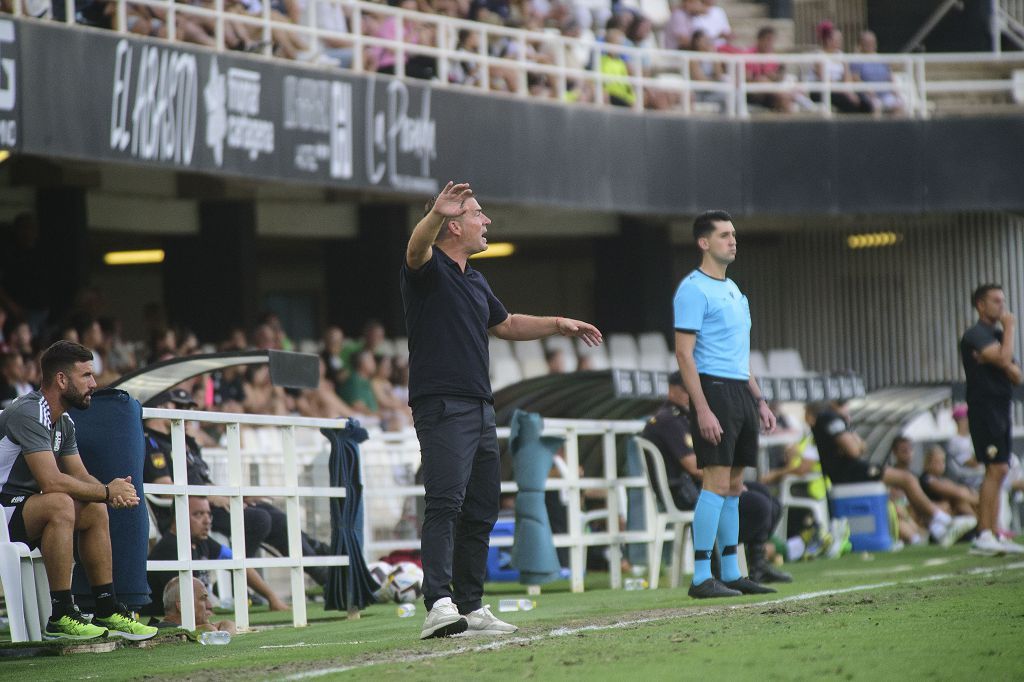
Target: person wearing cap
pixel 263 522
pixel 712 322
pixel 992 372
pixel 669 430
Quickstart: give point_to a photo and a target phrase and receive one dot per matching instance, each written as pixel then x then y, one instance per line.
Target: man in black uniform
pixel 841 452
pixel 449 310
pixel 669 430
pixel 987 354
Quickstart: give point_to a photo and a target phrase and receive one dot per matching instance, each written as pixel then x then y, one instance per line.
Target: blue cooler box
pixel 499 559
pixel 865 506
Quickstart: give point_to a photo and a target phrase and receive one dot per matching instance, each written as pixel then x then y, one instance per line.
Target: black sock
pixel 106 605
pixel 61 602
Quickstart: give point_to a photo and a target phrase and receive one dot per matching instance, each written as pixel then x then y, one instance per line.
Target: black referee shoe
pixel 710 589
pixel 748 586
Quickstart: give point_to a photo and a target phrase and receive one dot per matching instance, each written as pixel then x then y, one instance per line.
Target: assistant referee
pixel 712 321
pixel 449 310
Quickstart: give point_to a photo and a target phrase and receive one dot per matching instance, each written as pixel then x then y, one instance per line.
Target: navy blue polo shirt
pixel 447 315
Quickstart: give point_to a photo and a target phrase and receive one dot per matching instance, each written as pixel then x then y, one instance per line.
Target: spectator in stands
pixel 91 336
pixel 713 23
pixel 880 101
pixel 678 33
pixel 333 343
pixel 555 359
pixel 263 522
pixel 357 391
pixel 768 72
pixel 264 337
pixel 261 396
pixel 830 39
pixel 951 496
pixel 281 340
pixel 118 353
pixel 19 336
pixel 382 59
pixel 323 401
pixel 331 48
pixel 203 608
pixel 463 71
pixel 708 70
pixel 12 378
pixel 203 548
pixel 962 466
pixel 395 414
pixel 617 89
pixel 669 430
pixel 842 452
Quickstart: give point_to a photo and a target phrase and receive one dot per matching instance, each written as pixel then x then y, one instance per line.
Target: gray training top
pixel 26 427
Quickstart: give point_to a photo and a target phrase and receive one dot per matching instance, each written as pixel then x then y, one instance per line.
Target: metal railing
pixel 571 66
pixel 236 490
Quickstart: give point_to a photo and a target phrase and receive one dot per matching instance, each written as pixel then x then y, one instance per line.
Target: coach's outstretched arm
pixel 450 203
pixel 707 422
pixel 527 328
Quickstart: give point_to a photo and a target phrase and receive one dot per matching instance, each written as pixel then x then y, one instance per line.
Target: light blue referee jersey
pixel 719 314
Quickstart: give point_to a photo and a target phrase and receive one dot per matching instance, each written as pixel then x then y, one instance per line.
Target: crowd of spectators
pixel 691 25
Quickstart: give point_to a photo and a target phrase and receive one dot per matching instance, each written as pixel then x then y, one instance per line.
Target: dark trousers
pixel 462 479
pixel 759 513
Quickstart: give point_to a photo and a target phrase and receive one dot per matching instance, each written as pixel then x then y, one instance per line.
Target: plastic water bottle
pixel 406 610
pixel 516 605
pixel 635 584
pixel 216 637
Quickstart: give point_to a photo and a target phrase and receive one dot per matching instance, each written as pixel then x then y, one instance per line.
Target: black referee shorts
pixel 990 427
pixel 731 402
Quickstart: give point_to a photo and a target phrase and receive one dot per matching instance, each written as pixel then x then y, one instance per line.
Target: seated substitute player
pixel 48 496
pixel 841 451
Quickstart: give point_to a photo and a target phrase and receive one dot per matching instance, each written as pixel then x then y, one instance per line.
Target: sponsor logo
pixel 18 500
pixel 992 451
pixel 396 138
pixel 232 103
pixel 57 439
pixel 153 107
pixel 8 84
pixel 325 108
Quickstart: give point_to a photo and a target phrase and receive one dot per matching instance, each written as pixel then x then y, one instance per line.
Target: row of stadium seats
pixel 512 362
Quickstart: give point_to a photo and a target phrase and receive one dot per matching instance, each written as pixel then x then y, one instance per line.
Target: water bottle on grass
pixel 216 637
pixel 516 605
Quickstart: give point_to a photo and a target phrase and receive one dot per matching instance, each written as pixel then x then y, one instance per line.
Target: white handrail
pixel 236 491
pixel 914 89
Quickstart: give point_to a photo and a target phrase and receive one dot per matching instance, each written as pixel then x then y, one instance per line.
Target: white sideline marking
pixel 563 632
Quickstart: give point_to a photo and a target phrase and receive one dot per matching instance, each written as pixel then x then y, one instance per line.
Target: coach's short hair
pixel 981 292
pixel 61 357
pixel 704 224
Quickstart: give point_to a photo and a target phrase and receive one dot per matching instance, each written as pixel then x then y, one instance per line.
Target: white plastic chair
pixel 785 362
pixel 531 358
pixel 26 588
pixel 505 371
pixel 654 352
pixel 598 355
pixel 670 523
pixel 623 352
pixel 819 508
pixel 758 365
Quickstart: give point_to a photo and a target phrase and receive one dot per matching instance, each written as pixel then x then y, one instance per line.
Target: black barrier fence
pixel 631 383
pixel 75 93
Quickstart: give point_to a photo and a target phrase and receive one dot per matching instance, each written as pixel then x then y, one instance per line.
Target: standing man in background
pixel 712 321
pixel 992 372
pixel 449 310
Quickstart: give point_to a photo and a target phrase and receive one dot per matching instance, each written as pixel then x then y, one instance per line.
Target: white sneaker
pixel 958 527
pixel 1011 547
pixel 444 620
pixel 986 544
pixel 483 622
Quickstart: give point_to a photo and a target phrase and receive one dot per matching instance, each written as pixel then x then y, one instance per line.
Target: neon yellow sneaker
pixel 73 626
pixel 123 625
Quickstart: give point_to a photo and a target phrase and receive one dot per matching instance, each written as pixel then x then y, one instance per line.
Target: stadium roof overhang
pixel 290 370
